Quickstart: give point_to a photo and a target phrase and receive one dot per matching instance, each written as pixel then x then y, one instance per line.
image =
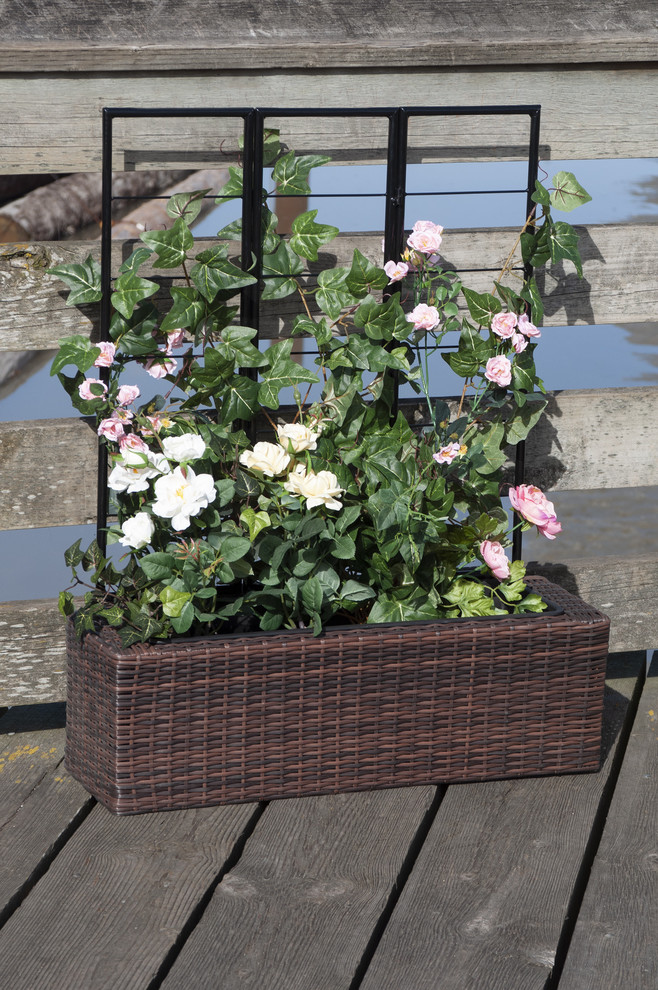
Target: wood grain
pixel 299 908
pixel 614 942
pixel 485 903
pixel 114 902
pixel 231 35
pixel 618 284
pixel 585 109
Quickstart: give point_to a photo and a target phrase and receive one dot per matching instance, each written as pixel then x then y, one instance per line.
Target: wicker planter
pixel 270 715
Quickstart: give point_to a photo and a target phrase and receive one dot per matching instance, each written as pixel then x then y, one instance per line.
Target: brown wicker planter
pixel 270 715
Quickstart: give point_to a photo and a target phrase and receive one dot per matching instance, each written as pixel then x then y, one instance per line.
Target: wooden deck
pixel 531 884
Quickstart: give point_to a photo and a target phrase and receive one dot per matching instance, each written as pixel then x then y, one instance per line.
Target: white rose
pixel 188 447
pixel 128 478
pixel 179 496
pixel 295 437
pixel 268 458
pixel 318 489
pixel 137 531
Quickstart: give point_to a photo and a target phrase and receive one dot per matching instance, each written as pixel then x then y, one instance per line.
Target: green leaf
pixel 137 258
pixel 171 246
pixel 568 192
pixel 312 595
pixel 65 603
pixel 563 244
pixel 233 188
pixel 173 601
pixel 344 548
pixel 523 372
pixel 523 421
pixel 530 293
pixel 186 311
pixel 307 236
pixel 541 194
pixel 482 306
pixel 281 372
pixel 333 294
pixel 487 452
pixel 129 290
pixel 214 273
pixel 186 205
pixel 78 351
pixel 354 591
pixel 363 276
pixel 291 173
pixel 239 399
pixel 84 280
pixel 158 566
pixel 184 619
pixel 278 271
pixel 254 521
pixel 234 548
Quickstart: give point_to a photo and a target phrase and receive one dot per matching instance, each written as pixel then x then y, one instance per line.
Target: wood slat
pixel 486 901
pixel 117 898
pixel 614 942
pixel 299 908
pixel 588 111
pixel 574 446
pixel 618 287
pixel 34 654
pixel 213 35
pixel 40 803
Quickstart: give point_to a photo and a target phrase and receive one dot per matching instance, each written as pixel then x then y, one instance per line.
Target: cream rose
pixel 295 437
pixel 137 531
pixel 318 489
pixel 268 458
pixel 188 447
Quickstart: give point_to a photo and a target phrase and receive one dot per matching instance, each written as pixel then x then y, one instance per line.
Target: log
pixel 68 204
pixel 152 214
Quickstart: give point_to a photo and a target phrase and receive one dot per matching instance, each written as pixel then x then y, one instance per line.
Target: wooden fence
pixel 593 70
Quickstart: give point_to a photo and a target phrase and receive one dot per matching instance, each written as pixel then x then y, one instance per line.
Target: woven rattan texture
pixel 244 718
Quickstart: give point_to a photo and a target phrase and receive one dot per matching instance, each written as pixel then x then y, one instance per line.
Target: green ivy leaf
pixel 363 276
pixel 240 399
pixel 233 188
pixel 333 295
pixel 78 351
pixel 563 244
pixel 541 194
pixel 281 372
pixel 186 206
pixel 129 290
pixel 84 280
pixel 279 270
pixel 482 306
pixel 187 310
pixel 217 274
pixel 254 521
pixel 135 260
pixel 307 236
pixel 291 173
pixel 568 192
pixel 171 246
pixel 530 293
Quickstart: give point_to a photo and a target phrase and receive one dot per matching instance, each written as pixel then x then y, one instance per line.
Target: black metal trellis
pixel 253 155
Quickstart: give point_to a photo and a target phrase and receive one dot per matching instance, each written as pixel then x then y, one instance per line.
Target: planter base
pixel 271 715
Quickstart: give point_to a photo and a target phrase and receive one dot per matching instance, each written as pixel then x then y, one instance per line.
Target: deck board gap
pixel 195 916
pixel 591 848
pixel 397 888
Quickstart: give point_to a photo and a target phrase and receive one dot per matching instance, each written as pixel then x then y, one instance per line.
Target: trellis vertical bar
pixel 252 242
pixel 105 310
pixel 533 170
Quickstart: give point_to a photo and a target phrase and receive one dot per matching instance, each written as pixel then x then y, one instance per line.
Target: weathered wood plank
pixel 32 634
pixel 575 446
pixel 41 482
pixel 40 802
pixel 618 287
pixel 585 110
pixel 486 901
pixel 116 899
pixel 299 908
pixel 614 942
pixel 235 35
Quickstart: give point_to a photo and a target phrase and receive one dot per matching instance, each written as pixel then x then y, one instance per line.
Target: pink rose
pixel 528 328
pixel 504 324
pixel 133 450
pixel 531 503
pixel 106 356
pixel 158 369
pixel 424 317
pixel 425 237
pixel 127 394
pixel 123 415
pixel 498 370
pixel 85 392
pixel 396 270
pixel 519 342
pixel 494 557
pixel 446 455
pixel 174 339
pixel 111 428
